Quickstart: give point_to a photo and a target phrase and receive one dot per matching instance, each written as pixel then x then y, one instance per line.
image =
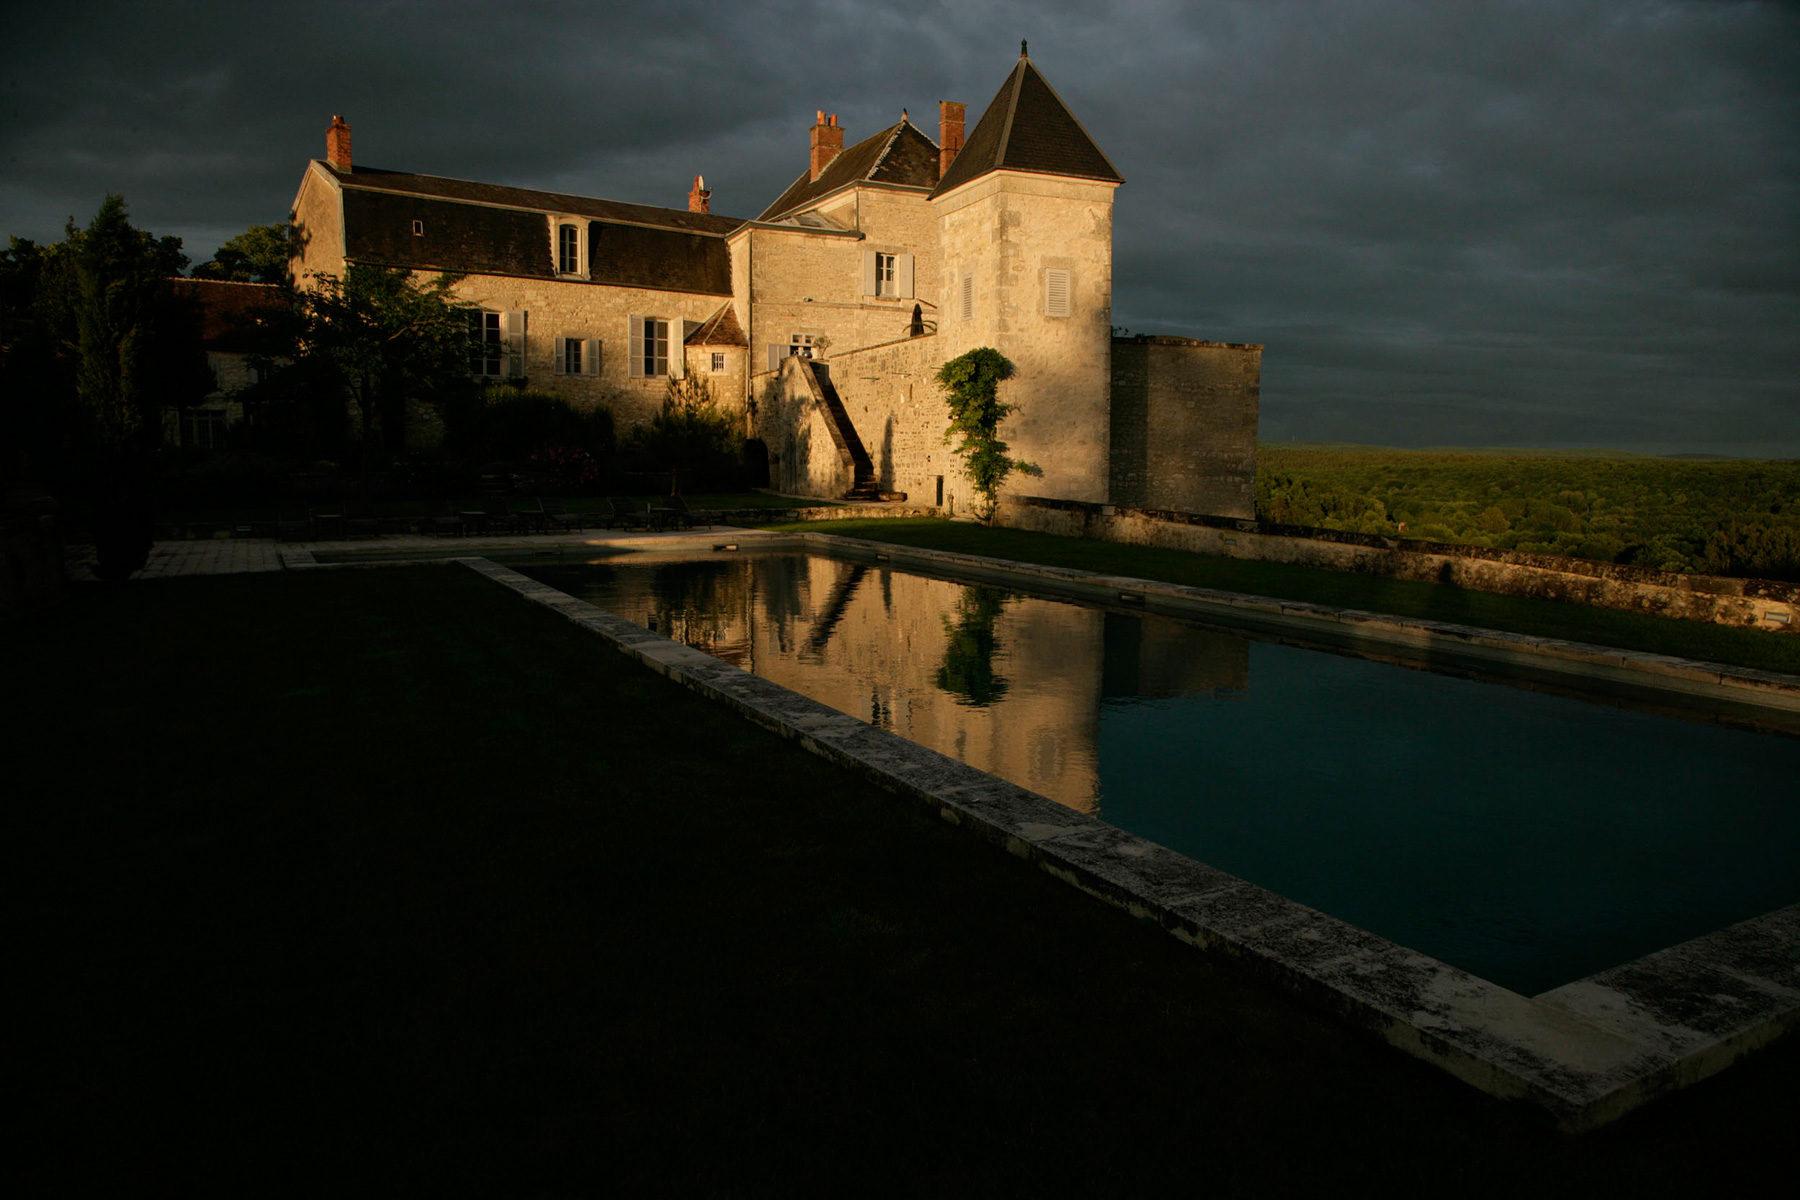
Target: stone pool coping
pixel 1587 1052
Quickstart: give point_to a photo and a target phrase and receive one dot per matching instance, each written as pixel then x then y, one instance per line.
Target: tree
pixel 691 432
pixel 384 339
pixel 137 350
pixel 257 255
pixel 971 384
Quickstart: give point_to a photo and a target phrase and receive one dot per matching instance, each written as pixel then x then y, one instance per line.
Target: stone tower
pixel 1024 214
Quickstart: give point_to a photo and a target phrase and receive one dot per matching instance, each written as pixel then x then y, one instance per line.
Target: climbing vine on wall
pixel 971 384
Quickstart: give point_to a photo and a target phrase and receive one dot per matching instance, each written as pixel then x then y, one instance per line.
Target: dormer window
pixel 418 229
pixel 568 240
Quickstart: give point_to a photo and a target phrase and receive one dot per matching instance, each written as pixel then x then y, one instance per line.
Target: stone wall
pixel 805 457
pixel 1184 418
pixel 1749 603
pixel 1006 231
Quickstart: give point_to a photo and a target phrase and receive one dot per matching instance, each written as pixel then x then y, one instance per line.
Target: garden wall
pixel 1753 603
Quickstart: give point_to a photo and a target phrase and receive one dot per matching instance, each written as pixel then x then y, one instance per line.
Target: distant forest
pixel 1725 517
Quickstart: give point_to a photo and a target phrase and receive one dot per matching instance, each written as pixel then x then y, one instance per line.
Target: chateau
pixel 824 319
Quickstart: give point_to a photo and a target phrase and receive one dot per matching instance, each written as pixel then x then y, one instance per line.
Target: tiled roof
pixel 229 311
pixel 1028 128
pixel 720 329
pixel 438 187
pixel 469 236
pixel 899 154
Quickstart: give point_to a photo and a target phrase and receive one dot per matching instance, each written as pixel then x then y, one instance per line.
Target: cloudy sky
pixel 1527 224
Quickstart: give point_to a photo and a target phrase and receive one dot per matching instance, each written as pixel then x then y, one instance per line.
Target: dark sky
pixel 1528 224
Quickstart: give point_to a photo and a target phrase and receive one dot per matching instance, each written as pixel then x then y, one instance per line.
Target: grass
pixel 384 880
pixel 1374 593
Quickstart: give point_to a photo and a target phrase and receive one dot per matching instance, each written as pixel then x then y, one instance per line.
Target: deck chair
pixel 557 516
pixel 624 512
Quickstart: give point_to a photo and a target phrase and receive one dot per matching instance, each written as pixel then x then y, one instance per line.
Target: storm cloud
pixel 1529 224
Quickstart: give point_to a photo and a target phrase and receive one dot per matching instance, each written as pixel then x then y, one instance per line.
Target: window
pixel 718 361
pixel 568 250
pixel 653 353
pixel 965 302
pixel 800 345
pixel 887 275
pixel 203 427
pixel 1056 292
pixel 500 343
pixel 576 356
pixel 418 229
pixel 484 327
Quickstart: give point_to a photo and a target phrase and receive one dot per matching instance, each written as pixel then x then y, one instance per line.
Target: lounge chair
pixel 626 513
pixel 557 516
pixel 496 516
pixel 443 518
pixel 674 510
pixel 291 526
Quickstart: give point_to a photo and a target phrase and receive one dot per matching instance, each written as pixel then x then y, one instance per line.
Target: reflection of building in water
pixel 1010 685
pixel 1158 658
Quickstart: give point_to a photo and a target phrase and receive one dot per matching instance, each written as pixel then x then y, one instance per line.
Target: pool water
pixel 1528 838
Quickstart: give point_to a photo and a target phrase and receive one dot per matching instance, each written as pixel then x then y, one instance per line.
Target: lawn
pixel 386 881
pixel 1374 593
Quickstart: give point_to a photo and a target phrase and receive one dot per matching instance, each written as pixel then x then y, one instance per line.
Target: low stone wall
pixel 1750 603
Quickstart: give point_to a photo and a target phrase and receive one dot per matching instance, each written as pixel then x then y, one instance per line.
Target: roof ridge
pixel 1017 80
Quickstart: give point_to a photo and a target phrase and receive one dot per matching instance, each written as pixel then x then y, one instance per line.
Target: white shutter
pixel 560 352
pixel 777 352
pixel 1056 292
pixel 869 282
pixel 515 343
pixel 906 276
pixel 677 348
pixel 590 358
pixel 635 348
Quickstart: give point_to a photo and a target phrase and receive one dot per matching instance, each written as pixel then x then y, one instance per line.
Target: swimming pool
pixel 1530 839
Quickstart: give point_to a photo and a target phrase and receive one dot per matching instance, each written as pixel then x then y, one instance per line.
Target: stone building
pixel 229 313
pixel 824 319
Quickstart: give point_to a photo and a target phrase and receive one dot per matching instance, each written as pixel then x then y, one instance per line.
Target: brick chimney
pixel 700 198
pixel 337 144
pixel 827 142
pixel 950 133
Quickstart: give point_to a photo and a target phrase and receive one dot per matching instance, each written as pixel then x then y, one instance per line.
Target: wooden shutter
pixel 635 348
pixel 515 343
pixel 559 351
pixel 869 281
pixel 590 359
pixel 677 348
pixel 966 302
pixel 906 276
pixel 1056 292
pixel 777 352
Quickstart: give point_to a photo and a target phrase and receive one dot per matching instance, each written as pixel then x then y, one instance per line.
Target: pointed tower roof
pixel 1028 128
pixel 899 154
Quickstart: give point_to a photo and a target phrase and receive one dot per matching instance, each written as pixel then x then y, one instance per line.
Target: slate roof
pixel 720 329
pixel 900 154
pixel 230 311
pixel 1028 128
pixel 478 228
pixel 371 178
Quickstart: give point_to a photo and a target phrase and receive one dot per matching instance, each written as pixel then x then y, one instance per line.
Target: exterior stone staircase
pixel 843 432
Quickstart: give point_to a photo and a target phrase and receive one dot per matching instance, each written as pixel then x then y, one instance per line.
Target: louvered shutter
pixel 966 303
pixel 515 343
pixel 590 362
pixel 635 348
pixel 906 276
pixel 560 351
pixel 1056 292
pixel 869 283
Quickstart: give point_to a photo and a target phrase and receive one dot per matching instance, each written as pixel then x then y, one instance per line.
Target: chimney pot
pixel 700 198
pixel 337 144
pixel 951 114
